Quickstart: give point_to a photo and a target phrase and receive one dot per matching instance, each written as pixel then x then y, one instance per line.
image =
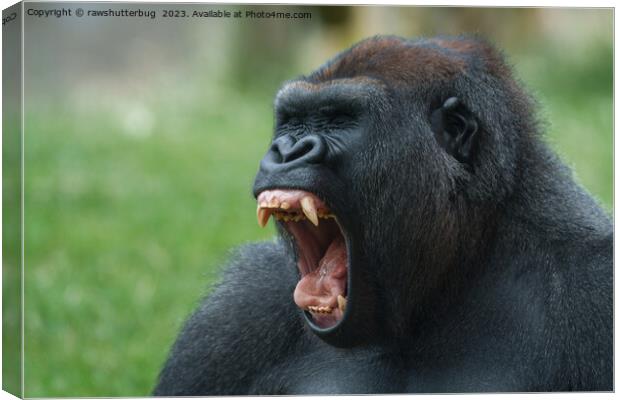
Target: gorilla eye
pixel 289 122
pixel 340 120
pixel 336 115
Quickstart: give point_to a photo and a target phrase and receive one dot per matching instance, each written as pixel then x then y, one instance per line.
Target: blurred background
pixel 143 137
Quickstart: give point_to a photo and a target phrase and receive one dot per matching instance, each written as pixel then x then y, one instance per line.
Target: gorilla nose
pixel 285 152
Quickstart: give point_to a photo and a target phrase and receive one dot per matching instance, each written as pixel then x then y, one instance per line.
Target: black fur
pixel 476 262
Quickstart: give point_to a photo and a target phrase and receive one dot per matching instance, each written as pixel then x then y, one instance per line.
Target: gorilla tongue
pixel 323 285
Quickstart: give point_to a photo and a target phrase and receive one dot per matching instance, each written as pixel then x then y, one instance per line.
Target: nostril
pixel 310 149
pixel 280 147
pixel 286 153
pixel 297 151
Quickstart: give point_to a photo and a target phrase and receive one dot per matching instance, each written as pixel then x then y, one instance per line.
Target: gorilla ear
pixel 455 129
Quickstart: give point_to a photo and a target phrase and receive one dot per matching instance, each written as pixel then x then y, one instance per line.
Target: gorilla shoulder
pixel 263 272
pixel 253 294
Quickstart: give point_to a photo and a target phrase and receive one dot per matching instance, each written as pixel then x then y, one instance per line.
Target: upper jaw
pixel 290 205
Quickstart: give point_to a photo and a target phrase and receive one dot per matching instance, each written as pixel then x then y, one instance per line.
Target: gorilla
pixel 428 242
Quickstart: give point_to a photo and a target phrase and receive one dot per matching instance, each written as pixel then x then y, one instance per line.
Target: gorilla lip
pixel 321 251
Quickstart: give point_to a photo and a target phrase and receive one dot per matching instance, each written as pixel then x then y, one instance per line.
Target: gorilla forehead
pixel 397 61
pixel 355 92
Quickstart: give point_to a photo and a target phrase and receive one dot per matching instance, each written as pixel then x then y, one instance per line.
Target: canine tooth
pixel 285 205
pixel 262 214
pixel 342 303
pixel 307 206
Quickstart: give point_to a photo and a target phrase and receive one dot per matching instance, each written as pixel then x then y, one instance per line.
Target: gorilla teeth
pixel 342 303
pixel 262 214
pixel 326 215
pixel 307 206
pixel 320 309
pixel 287 211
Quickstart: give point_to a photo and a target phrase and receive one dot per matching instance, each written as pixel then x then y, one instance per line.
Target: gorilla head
pixel 386 168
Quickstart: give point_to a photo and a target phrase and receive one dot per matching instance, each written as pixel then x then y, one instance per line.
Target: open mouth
pixel 321 251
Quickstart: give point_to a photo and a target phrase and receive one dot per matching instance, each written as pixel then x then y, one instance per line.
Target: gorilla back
pixel 428 241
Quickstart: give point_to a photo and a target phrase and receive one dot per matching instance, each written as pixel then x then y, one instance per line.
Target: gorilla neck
pixel 430 269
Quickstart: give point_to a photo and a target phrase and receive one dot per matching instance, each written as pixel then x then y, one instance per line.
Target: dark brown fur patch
pixel 399 61
pixel 485 53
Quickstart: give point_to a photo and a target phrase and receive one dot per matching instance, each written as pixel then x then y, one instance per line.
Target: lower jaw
pixel 322 288
pixel 325 321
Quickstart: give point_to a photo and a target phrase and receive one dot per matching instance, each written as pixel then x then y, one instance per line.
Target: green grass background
pixel 124 233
